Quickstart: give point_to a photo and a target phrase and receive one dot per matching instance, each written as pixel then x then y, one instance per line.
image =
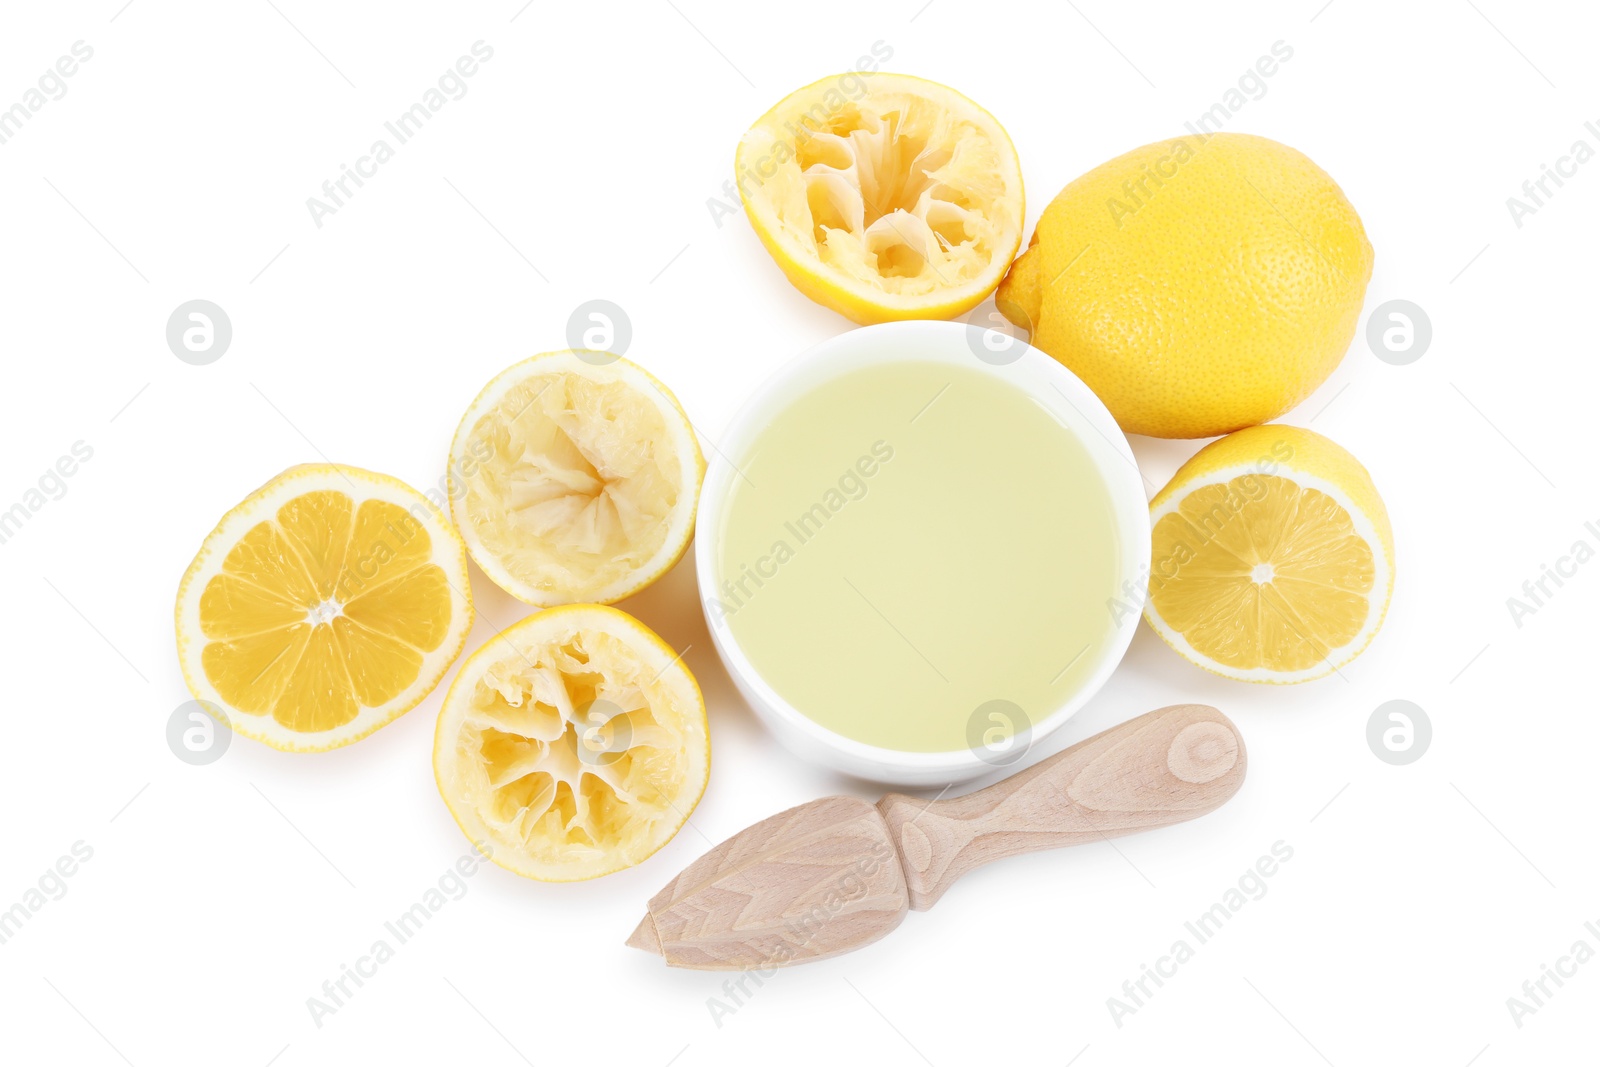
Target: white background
pixel 579 165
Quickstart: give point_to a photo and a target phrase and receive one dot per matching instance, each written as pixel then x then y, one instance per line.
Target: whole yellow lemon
pixel 1199 285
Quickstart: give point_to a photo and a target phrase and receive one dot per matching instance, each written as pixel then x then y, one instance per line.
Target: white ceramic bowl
pixel 954 343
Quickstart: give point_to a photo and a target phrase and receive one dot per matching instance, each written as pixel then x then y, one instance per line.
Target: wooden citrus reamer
pixel 838 873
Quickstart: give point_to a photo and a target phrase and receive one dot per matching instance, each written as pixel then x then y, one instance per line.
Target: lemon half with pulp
pixel 1272 558
pixel 325 605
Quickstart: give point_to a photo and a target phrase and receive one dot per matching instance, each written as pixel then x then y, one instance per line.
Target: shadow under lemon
pixel 671 607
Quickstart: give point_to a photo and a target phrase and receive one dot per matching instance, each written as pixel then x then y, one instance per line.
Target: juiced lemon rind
pixel 525 521
pixel 574 743
pixel 900 200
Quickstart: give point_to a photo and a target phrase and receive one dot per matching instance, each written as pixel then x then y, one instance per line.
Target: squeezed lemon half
pixel 884 196
pixel 1272 558
pixel 575 743
pixel 574 479
pixel 325 605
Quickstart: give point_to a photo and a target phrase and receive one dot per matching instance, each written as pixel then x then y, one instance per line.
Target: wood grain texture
pixel 808 883
pixel 1165 767
pixel 838 873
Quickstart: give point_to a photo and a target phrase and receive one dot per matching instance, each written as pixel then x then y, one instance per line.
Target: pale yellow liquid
pixel 974 562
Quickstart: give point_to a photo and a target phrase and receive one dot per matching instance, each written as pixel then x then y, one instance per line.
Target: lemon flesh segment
pixel 1280 576
pixel 573 745
pixel 901 199
pixel 575 481
pixel 322 607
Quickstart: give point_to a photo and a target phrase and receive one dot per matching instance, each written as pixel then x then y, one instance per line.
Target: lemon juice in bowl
pixel 920 553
